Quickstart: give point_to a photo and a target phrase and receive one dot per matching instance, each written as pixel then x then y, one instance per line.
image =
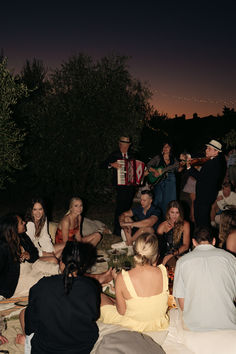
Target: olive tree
pixel 11 137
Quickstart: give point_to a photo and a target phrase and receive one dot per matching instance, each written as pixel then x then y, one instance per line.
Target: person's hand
pixel 115 165
pixel 3 340
pixel 219 198
pixel 127 224
pixel 25 256
pixel 78 236
pixel 167 258
pixel 155 172
pixel 20 339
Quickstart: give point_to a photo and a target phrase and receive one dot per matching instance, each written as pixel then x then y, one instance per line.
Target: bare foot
pixel 20 339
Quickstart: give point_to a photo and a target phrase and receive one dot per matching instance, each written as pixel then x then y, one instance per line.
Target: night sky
pixel 184 51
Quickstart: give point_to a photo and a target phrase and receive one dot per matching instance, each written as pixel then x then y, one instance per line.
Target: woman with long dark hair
pixel 174 233
pixel 63 309
pixel 16 253
pixel 164 182
pixel 10 255
pixel 37 229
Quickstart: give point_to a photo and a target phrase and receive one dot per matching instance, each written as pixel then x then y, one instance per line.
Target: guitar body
pixel 152 179
pixel 163 171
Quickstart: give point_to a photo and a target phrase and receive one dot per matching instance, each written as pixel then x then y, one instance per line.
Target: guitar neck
pixel 169 168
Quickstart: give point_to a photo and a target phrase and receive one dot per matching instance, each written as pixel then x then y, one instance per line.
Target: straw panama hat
pixel 215 144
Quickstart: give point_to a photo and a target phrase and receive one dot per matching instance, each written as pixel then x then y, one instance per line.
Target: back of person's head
pixel 203 234
pixel 9 234
pixel 147 192
pixel 77 257
pixel 146 249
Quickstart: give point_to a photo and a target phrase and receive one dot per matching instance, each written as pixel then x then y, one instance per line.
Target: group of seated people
pixel 69 301
pixel 173 233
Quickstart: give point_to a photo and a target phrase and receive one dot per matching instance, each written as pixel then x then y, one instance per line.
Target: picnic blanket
pixel 174 340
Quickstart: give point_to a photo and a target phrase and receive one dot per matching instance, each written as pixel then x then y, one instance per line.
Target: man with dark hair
pixel 124 194
pixel 205 285
pixel 143 218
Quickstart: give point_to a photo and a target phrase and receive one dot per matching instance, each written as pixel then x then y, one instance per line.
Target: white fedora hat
pixel 215 144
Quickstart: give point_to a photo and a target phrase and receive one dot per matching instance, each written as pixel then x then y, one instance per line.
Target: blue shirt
pixel 139 214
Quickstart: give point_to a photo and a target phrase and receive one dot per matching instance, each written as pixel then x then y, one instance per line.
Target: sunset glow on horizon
pixel 185 53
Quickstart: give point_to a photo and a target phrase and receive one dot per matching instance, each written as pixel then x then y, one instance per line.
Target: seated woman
pixel 227 233
pixel 142 293
pixel 16 252
pixel 173 233
pixel 37 229
pixel 66 321
pixel 70 226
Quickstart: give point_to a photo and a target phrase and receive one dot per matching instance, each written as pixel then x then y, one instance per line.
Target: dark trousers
pixel 124 199
pixel 202 213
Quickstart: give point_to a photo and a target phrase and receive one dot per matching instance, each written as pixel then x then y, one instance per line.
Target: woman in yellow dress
pixel 142 293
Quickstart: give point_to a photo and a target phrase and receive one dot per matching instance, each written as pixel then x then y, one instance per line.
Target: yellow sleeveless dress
pixel 143 314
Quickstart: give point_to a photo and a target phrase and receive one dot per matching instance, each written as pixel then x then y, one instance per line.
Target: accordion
pixel 131 172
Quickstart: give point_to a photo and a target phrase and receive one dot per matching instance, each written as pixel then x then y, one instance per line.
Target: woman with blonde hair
pixel 70 227
pixel 227 233
pixel 173 233
pixel 141 293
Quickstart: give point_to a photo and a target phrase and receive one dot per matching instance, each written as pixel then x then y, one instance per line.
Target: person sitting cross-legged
pixel 205 285
pixel 141 293
pixel 141 219
pixel 63 309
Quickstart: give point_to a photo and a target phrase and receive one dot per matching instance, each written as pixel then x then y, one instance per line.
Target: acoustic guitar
pixel 163 172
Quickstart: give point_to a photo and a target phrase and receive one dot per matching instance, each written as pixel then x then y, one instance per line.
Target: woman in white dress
pixel 37 230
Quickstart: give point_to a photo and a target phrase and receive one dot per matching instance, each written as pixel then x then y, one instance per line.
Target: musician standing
pixel 124 194
pixel 209 179
pixel 165 190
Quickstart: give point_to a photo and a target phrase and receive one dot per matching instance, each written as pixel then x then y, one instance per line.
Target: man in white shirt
pixel 205 285
pixel 225 200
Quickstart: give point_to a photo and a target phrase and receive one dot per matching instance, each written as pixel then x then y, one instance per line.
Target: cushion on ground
pixel 123 342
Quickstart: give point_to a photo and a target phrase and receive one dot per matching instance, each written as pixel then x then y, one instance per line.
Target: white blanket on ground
pixel 176 340
pixel 31 273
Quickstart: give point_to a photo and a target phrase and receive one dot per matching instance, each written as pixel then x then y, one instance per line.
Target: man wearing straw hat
pixel 209 179
pixel 124 194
